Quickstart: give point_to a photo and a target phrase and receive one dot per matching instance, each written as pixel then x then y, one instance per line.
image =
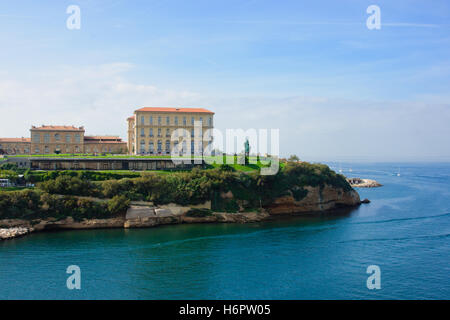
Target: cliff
pixel 143 216
pixel 317 199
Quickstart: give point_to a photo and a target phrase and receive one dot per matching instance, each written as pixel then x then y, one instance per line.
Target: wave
pixel 437 236
pixel 403 219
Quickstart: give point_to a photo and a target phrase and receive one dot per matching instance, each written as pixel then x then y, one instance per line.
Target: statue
pixel 247 150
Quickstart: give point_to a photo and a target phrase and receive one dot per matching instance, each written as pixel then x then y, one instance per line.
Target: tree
pixel 294 158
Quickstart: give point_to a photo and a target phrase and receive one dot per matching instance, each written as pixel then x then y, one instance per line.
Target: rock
pixel 363 183
pixel 316 200
pixel 10 233
pixel 365 201
pixel 163 212
pixel 136 212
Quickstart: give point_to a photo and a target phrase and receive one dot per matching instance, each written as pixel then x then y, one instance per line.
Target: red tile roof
pixel 15 140
pixel 180 110
pixel 131 118
pixel 62 128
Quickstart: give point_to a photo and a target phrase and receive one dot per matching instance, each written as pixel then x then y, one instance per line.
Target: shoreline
pixel 20 228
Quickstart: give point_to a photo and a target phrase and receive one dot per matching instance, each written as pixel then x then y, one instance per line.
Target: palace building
pixel 61 140
pixel 158 130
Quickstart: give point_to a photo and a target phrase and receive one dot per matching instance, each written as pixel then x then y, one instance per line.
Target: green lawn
pixel 13 188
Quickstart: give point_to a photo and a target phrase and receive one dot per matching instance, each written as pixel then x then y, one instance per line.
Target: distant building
pixel 61 139
pixel 150 130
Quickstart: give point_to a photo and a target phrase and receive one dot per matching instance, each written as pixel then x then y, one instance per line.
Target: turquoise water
pixel 405 231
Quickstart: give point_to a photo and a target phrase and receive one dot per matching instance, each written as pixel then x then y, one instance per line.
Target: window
pixel 151 120
pixel 143 120
pixel 142 132
pixel 159 120
pixel 184 121
pixel 210 121
pixel 167 146
pixel 167 132
pixel 192 120
pixel 159 132
pixel 57 137
pixel 77 149
pixel 36 150
pixel 36 137
pixel 159 146
pixel 68 138
pixel 168 120
pixel 47 150
pixel 46 138
pixel 77 138
pixel 192 146
pixel 192 132
pixel 151 132
pixel 201 119
pixel 176 120
pixel 151 147
pixel 142 150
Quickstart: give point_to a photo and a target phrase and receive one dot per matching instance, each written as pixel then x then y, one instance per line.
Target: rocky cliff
pixel 316 199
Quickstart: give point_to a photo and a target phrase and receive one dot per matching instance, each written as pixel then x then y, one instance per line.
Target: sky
pixel 336 90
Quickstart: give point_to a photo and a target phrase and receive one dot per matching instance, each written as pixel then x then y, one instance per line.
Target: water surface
pixel 404 230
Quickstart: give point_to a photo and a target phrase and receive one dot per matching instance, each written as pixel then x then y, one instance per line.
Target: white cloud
pixel 316 128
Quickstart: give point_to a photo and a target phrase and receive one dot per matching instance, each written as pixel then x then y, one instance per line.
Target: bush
pixel 199 213
pixel 118 204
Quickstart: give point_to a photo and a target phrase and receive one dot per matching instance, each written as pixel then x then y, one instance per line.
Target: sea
pixel 395 247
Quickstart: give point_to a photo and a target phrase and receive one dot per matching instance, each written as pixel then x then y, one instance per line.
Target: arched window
pixel 167 146
pixel 159 146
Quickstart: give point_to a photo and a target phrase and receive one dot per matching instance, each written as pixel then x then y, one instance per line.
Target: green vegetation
pixel 33 204
pixel 199 213
pixel 62 193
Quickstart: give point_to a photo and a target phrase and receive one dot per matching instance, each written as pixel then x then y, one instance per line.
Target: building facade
pixel 158 131
pixel 15 145
pixel 61 140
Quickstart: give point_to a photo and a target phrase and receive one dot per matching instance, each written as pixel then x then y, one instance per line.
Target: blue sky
pixel 336 90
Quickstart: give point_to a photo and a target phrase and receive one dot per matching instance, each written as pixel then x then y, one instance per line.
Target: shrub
pixel 118 204
pixel 198 213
